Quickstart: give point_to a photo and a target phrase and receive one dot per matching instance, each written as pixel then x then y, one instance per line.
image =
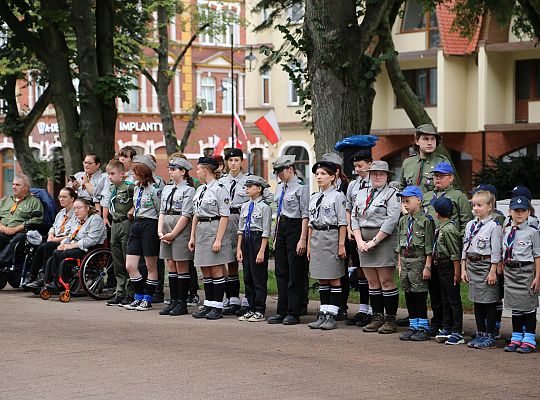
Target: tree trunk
pixel 189 127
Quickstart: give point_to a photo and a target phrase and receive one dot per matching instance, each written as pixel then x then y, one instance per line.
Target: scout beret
pixel 256 180
pixel 520 203
pixel 427 129
pixel 179 162
pixel 361 155
pixel 208 161
pixel 411 191
pixel 146 160
pixel 326 164
pixel 485 186
pixel 443 206
pixel 521 191
pixel 333 158
pixel 283 162
pixel 444 168
pixel 234 153
pixel 380 166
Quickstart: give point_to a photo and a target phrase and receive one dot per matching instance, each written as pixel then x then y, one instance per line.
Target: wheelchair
pixel 92 275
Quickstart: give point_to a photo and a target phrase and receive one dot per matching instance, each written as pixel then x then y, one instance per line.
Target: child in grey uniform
pixel 326 243
pixel 252 250
pixel 479 258
pixel 521 248
pixel 174 231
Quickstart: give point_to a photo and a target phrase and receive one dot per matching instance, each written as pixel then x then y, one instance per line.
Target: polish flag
pixel 219 145
pixel 269 127
pixel 242 137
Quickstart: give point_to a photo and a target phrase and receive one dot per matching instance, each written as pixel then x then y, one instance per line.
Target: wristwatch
pixel 374 240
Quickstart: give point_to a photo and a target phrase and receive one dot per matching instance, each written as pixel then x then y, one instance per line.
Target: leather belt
pixel 517 264
pixel 479 257
pixel 325 227
pixel 235 211
pixel 173 213
pixel 208 219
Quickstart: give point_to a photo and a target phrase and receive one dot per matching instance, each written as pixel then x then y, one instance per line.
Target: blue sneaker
pixel 487 342
pixel 525 348
pixel 455 338
pixel 443 335
pixel 512 347
pixel 476 338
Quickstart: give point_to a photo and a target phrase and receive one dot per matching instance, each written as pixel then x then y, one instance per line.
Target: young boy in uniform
pixel 446 257
pixel 414 248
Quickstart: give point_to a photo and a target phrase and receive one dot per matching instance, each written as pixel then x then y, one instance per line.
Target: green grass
pixel 354 296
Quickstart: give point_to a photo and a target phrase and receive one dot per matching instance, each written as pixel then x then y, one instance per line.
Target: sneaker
pixel 201 313
pixel 246 316
pixel 215 313
pixel 329 323
pixel 167 301
pixel 144 306
pixel 193 300
pixel 512 347
pixel 115 302
pixel 180 308
pixel 475 339
pixel 377 320
pixel 497 334
pixel 443 335
pixel 321 318
pixel 486 342
pixel 133 305
pixel 389 326
pixel 421 335
pixel 231 310
pixel 38 283
pixel 242 311
pixel 455 338
pixel 356 318
pixel 125 302
pixel 408 334
pixel 167 310
pixel 525 349
pixel 257 317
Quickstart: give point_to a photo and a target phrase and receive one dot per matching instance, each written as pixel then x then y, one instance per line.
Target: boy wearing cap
pixel 417 169
pixel 414 248
pixel 521 258
pixel 254 229
pixel 446 257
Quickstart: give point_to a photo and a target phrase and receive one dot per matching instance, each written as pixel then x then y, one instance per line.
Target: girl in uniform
pixel 375 215
pixel 174 231
pixel 209 239
pixel 326 234
pixel 143 238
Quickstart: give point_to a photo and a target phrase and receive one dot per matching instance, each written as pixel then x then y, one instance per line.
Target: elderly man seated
pixel 16 210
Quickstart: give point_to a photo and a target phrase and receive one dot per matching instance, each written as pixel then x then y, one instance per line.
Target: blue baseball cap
pixel 485 186
pixel 410 191
pixel 521 191
pixel 443 206
pixel 520 203
pixel 444 168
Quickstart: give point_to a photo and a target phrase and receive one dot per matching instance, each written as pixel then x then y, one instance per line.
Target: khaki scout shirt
pixel 21 214
pixel 413 165
pixel 120 199
pixel 461 208
pixel 422 235
pixel 526 243
pixel 449 242
pixel 261 217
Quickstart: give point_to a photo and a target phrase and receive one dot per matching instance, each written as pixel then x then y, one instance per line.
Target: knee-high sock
pixel 219 291
pixel 183 286
pixel 336 295
pixel 376 299
pixel 391 301
pixel 150 289
pixel 173 285
pixel 363 289
pixel 233 289
pixel 208 290
pixel 138 286
pixel 324 294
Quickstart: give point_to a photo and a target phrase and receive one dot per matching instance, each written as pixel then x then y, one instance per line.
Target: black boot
pixel 167 310
pixel 180 308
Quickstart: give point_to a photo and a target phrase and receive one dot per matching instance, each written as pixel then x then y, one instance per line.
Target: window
pixel 38 90
pixel 266 87
pixel 220 14
pixel 133 97
pixel 416 19
pixel 301 163
pixel 256 162
pixel 7 162
pixel 208 93
pixel 296 13
pixel 423 82
pixel 228 95
pixel 296 68
pixel 528 80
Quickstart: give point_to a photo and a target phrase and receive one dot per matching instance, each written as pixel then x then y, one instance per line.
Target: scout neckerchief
pixel 169 201
pixel 371 197
pixel 435 239
pixel 248 219
pixel 15 204
pixel 63 225
pixel 74 234
pixel 475 228
pixel 410 223
pixel 233 188
pixel 113 198
pixel 201 195
pixel 509 245
pixel 280 205
pixel 318 206
pixel 138 202
pixel 420 171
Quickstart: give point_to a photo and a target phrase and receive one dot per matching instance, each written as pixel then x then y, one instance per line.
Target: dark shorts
pixel 143 239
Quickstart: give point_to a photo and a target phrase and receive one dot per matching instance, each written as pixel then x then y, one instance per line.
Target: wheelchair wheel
pixel 14 278
pixel 65 296
pixel 97 273
pixel 45 294
pixel 3 280
pixel 69 271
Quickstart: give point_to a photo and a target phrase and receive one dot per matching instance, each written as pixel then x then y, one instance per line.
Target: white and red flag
pixel 219 145
pixel 269 127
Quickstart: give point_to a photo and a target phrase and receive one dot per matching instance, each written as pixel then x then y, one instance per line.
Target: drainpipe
pixel 483 149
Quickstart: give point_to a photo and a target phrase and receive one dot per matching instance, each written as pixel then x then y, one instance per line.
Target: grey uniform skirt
pixel 232 230
pixel 382 255
pixel 178 249
pixel 205 236
pixel 325 263
pixel 479 290
pixel 518 295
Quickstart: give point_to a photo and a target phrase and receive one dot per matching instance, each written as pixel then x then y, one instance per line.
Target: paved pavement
pixel 85 350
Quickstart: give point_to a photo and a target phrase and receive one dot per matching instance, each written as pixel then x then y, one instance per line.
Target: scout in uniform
pixel 362 162
pixel 125 156
pixel 523 191
pixel 16 210
pixel 498 216
pixel 209 237
pixel 326 243
pixel 521 258
pixel 446 257
pixel 374 218
pixel 290 242
pixel 417 170
pixel 120 207
pixel 443 175
pixel 414 248
pixel 479 258
pixel 91 182
pixel 143 239
pixel 254 229
pixel 174 230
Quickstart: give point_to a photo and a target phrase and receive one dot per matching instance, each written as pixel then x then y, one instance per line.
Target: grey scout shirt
pixel 353 189
pixel 381 211
pixel 532 221
pixel 327 208
pixel 212 200
pixel 100 180
pixel 147 202
pixel 237 192
pixel 177 200
pixel 295 200
pixel 91 233
pixel 261 217
pixel 486 242
pixel 61 221
pixel 526 243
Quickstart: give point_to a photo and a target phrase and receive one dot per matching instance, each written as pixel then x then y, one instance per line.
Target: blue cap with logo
pixel 410 191
pixel 443 168
pixel 520 203
pixel 521 191
pixel 485 186
pixel 443 206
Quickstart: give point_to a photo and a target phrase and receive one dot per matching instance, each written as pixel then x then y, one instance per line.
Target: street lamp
pixel 251 60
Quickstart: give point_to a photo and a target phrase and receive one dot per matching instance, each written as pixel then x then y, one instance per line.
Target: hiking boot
pixel 201 313
pixel 168 309
pixel 242 311
pixel 486 342
pixel 215 313
pixel 389 326
pixel 180 308
pixel 476 338
pixel 321 318
pixel 232 309
pixel 408 334
pixel 330 322
pixel 377 320
pixel 420 335
pixel 356 318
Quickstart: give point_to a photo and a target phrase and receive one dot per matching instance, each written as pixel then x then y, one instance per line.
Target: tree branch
pixel 19 27
pixel 37 111
pixel 149 77
pixel 187 46
pixel 372 19
pixel 533 14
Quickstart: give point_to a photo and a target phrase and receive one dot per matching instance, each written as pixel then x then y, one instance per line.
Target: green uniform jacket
pixel 22 212
pixel 123 201
pixel 411 168
pixel 461 213
pixel 449 242
pixel 422 236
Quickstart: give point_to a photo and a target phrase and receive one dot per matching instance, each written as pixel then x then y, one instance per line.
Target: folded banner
pixel 241 137
pixel 269 127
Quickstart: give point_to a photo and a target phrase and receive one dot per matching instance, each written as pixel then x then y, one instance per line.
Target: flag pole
pixel 232 86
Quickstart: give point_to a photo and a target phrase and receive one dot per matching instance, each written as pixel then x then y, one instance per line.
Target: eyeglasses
pixel 88 162
pixel 63 197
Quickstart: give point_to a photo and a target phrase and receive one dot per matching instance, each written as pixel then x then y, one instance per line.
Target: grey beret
pixel 333 158
pixel 256 180
pixel 284 161
pixel 146 160
pixel 179 162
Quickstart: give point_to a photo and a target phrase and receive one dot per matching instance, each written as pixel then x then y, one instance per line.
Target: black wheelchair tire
pixel 3 280
pixel 95 268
